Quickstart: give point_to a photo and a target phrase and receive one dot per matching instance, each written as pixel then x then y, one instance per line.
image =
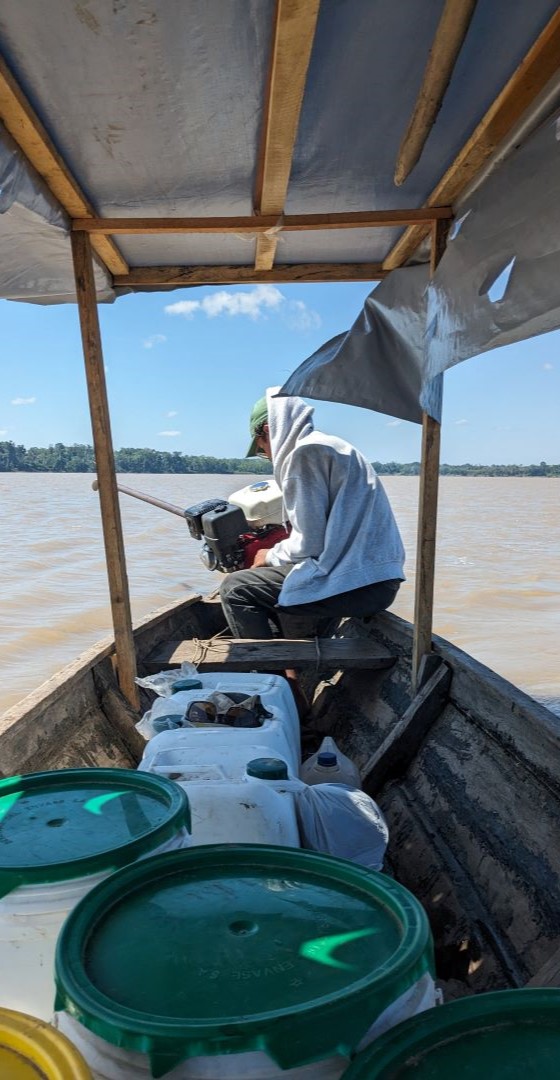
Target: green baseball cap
pixel 259 415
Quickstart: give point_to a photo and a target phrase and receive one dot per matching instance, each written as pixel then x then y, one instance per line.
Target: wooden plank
pixel 294 31
pixel 428 501
pixel 539 65
pixel 25 127
pixel 401 745
pixel 368 219
pixel 108 495
pixel 449 37
pixel 243 654
pixel 122 718
pixel 243 275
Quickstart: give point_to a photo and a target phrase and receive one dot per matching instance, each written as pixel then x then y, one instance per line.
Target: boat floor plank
pixel 245 654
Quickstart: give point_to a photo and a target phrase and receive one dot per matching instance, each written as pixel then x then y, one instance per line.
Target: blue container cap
pixel 327 758
pixel 185 684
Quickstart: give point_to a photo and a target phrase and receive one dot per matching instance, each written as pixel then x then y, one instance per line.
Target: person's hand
pixel 260 558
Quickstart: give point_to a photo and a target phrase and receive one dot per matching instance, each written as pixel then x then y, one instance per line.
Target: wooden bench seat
pixel 244 654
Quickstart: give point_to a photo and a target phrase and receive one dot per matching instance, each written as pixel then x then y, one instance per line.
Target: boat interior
pixel 248 143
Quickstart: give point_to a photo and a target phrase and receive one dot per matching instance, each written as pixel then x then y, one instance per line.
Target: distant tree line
pixel 80 458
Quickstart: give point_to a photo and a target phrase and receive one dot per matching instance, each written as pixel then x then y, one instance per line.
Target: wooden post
pixel 427 511
pixel 108 495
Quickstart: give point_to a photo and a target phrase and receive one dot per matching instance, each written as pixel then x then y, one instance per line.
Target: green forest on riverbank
pixel 80 458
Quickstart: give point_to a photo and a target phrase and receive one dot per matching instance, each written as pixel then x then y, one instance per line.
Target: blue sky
pixel 184 367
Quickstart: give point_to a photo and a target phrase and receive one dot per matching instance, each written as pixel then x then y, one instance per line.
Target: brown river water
pixel 497 573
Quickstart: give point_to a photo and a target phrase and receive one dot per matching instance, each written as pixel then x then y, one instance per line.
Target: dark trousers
pixel 250 602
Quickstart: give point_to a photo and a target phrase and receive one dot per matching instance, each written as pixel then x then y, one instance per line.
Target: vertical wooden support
pixel 108 495
pixel 427 511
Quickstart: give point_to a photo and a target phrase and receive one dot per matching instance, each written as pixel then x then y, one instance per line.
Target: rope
pixel 203 649
pixel 318 653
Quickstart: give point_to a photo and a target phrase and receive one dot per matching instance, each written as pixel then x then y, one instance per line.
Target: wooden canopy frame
pixel 292 44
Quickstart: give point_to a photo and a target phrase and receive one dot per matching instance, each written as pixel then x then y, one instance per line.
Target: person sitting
pixel 344 555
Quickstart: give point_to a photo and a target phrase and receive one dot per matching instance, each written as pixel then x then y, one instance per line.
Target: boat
pixel 101 103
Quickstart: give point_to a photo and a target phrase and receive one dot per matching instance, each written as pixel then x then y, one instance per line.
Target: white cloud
pixel 548 367
pixel 251 303
pixel 154 339
pixel 254 303
pixel 461 423
pixel 3 431
pixel 300 317
pixel 394 423
pixel 24 401
pixel 183 307
pixel 172 412
pixel 169 434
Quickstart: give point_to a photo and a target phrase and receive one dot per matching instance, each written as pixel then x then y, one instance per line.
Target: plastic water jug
pixel 258 808
pixel 279 734
pixel 273 963
pixel 166 755
pixel 330 766
pixel 61 833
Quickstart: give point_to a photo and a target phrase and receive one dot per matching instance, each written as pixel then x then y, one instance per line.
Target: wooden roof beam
pixel 374 219
pixel 294 31
pixel 28 132
pixel 244 275
pixel 451 32
pixel 540 64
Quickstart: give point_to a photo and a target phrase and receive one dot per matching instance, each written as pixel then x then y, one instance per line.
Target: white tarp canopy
pixel 172 109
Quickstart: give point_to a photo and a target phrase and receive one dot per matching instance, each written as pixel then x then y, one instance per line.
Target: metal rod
pixel 170 507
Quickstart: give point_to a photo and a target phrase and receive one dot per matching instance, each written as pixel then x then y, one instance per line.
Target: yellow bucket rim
pixel 41 1046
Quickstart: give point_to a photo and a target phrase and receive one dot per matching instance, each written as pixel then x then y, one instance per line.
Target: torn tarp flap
pixel 498 280
pixel 379 363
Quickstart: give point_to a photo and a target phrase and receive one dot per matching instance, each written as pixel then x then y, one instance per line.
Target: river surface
pixel 497 574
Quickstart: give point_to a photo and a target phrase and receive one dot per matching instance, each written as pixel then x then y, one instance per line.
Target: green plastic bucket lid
pixel 504 1035
pixel 71 823
pixel 231 948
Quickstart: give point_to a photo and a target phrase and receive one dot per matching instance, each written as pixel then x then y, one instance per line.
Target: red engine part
pixel 253 543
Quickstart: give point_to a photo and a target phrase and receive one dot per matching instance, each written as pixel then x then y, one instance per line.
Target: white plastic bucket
pixel 30 921
pixel 62 833
pixel 109 1062
pixel 238 941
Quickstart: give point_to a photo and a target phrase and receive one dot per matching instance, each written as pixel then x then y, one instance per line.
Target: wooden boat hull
pixel 471 793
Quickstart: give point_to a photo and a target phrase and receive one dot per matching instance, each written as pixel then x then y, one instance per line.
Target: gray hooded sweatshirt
pixel 344 534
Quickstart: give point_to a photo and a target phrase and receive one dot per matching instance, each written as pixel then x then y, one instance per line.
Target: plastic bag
pixel 162 683
pixel 344 822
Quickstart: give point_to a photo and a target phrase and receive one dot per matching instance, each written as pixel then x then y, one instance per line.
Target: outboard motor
pixel 234 530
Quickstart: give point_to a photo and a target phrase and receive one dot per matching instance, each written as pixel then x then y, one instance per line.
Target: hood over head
pixel 289 421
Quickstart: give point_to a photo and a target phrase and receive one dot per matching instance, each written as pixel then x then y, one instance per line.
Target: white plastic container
pixel 277 737
pixel 280 733
pixel 71 828
pixel 330 766
pixel 256 809
pixel 191 762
